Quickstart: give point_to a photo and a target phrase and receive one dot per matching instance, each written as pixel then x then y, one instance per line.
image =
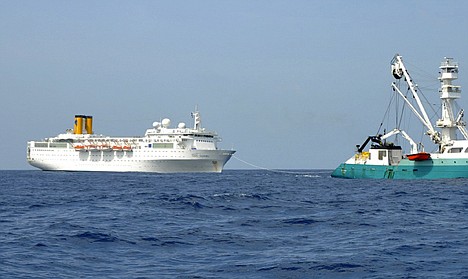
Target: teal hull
pixel 406 169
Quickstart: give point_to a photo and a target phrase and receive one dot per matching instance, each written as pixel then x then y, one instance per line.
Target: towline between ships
pixel 162 150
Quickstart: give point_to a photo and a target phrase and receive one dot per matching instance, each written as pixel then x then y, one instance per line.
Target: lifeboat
pixel 79 147
pixel 421 156
pixel 117 147
pixel 127 147
pixel 92 147
pixel 105 147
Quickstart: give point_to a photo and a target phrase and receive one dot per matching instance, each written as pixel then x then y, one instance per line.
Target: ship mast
pixel 196 120
pixel 448 123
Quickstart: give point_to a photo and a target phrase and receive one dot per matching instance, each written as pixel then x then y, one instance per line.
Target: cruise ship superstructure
pixel 162 149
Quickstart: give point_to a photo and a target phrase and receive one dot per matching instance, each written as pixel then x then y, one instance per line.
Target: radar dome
pixel 166 122
pixel 156 124
pixel 181 125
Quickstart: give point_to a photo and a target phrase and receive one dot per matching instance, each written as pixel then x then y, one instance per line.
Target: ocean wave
pixel 237 224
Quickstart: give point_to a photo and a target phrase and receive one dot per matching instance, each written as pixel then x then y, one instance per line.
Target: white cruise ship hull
pixel 131 161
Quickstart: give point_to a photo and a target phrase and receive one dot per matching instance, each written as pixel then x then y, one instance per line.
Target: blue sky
pixel 288 84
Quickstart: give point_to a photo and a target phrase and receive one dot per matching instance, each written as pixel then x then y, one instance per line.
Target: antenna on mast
pixel 196 119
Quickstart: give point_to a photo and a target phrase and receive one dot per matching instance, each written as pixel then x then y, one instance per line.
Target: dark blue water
pixel 238 224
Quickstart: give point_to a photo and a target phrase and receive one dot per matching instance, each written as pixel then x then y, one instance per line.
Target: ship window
pixel 382 154
pixel 163 145
pixel 40 144
pixel 58 145
pixel 455 150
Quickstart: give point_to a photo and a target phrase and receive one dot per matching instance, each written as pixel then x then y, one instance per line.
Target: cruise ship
pixel 163 149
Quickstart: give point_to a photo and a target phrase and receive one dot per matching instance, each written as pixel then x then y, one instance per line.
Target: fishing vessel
pixel 385 159
pixel 162 149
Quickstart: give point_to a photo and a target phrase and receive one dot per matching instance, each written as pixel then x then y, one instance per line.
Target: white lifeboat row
pixel 103 146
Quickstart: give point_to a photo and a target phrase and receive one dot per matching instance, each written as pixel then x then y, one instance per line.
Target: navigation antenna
pixel 196 119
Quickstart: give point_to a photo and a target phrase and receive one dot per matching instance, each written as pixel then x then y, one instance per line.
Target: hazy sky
pixel 288 84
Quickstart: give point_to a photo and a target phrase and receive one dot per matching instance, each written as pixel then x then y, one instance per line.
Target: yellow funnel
pixel 78 128
pixel 89 124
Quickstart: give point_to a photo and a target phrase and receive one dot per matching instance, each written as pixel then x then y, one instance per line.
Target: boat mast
pixel 398 71
pixel 196 120
pixel 448 94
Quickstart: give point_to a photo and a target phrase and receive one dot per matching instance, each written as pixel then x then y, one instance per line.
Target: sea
pixel 236 224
